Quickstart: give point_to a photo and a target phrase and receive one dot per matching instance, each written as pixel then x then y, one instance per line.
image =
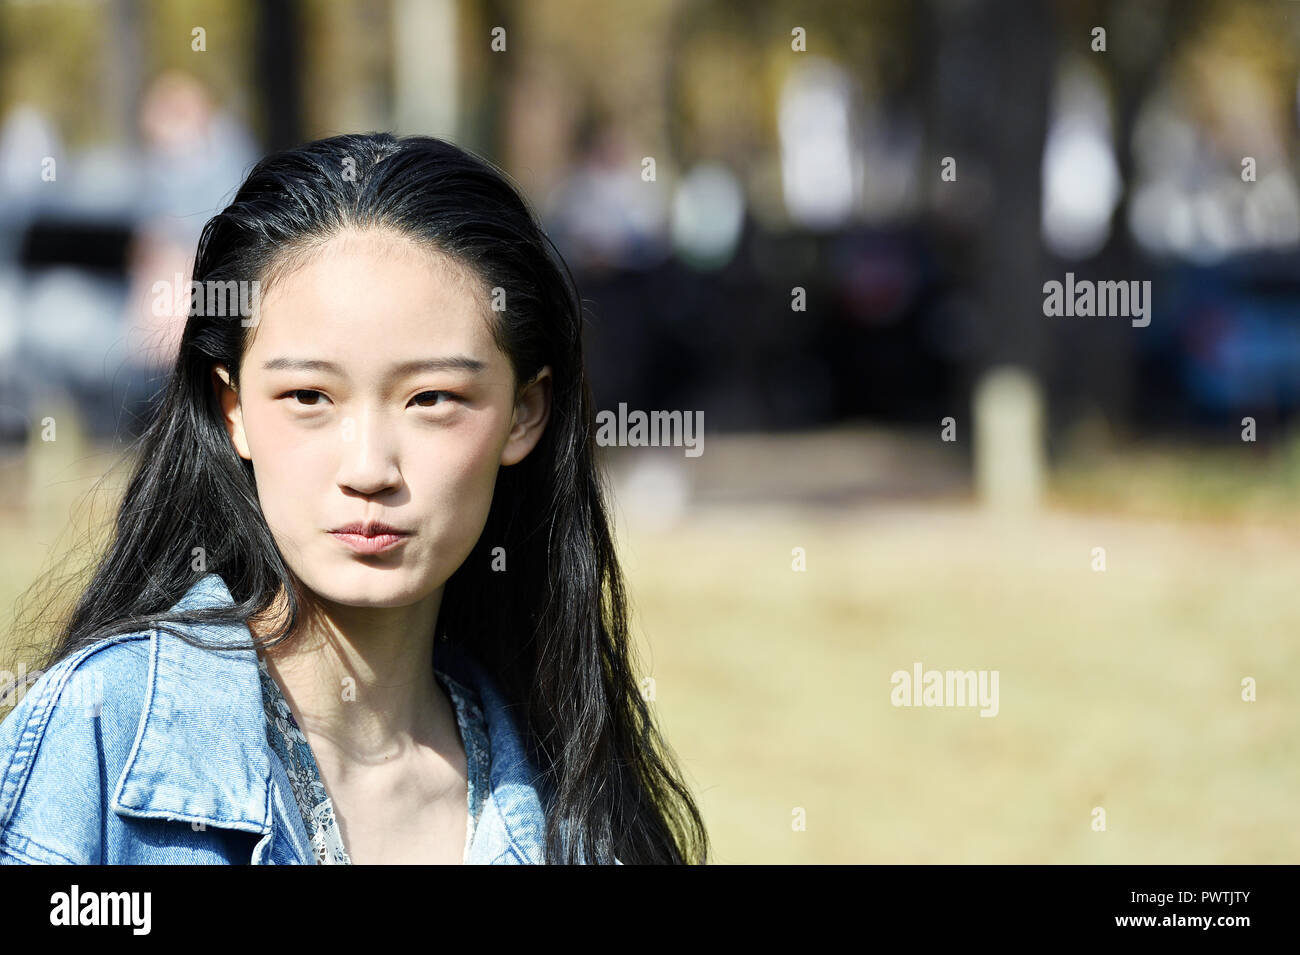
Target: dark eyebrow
pixel 447 363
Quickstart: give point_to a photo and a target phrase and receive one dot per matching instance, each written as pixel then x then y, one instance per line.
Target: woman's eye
pixel 431 398
pixel 305 396
pixel 309 398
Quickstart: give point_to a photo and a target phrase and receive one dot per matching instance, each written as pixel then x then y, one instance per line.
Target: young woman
pixel 363 566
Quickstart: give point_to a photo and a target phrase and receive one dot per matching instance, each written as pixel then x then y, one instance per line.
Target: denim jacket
pixel 144 749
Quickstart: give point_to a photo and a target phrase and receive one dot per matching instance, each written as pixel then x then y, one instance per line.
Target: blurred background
pixel 827 227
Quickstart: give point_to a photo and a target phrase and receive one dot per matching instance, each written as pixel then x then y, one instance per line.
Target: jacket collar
pixel 201 752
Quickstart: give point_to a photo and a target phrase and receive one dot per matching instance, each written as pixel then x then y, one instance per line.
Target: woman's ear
pixel 231 412
pixel 532 411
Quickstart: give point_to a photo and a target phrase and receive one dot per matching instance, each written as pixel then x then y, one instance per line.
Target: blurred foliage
pixel 1185 482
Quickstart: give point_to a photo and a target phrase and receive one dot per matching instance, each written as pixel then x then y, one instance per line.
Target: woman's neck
pixel 361 685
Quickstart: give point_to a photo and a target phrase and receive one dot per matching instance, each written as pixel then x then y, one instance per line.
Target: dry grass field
pixel 1119 689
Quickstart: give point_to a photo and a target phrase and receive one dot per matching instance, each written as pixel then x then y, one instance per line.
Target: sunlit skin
pixel 416 448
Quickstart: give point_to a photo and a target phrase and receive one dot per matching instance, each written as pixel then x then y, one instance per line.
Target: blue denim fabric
pixel 143 749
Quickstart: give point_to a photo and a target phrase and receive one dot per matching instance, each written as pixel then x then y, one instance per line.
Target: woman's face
pixel 372 392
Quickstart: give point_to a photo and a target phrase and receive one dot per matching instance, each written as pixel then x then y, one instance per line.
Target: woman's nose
pixel 368 454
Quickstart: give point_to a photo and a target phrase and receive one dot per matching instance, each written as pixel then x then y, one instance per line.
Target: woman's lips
pixel 370 545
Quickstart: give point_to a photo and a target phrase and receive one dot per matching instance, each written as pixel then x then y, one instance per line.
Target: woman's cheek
pixel 464 478
pixel 285 461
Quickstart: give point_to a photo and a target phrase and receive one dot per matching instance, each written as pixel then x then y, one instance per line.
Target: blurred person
pixel 193 156
pixel 363 603
pixel 602 214
pixel 29 144
pixel 29 140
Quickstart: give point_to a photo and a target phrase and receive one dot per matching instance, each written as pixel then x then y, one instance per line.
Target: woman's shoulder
pixel 118 670
pixel 80 684
pixel 60 745
pixel 95 725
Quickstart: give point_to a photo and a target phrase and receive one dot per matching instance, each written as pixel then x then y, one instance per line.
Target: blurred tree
pixel 989 81
pixel 277 34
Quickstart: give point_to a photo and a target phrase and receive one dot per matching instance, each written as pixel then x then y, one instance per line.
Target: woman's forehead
pixel 374 299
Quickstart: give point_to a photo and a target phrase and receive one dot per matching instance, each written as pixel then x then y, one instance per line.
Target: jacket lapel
pixel 200 753
pixel 511 828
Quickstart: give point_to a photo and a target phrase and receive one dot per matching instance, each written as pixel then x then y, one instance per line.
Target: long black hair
pixel 553 630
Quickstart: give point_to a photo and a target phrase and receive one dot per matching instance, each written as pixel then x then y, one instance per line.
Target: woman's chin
pixel 372 586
